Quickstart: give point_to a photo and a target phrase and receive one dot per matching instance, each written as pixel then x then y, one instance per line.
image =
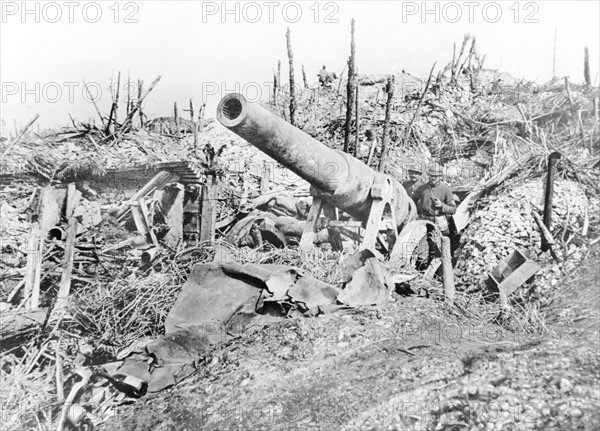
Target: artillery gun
pixel 337 180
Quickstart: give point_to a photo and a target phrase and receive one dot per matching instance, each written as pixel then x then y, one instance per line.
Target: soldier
pixel 414 174
pixel 434 200
pixel 325 77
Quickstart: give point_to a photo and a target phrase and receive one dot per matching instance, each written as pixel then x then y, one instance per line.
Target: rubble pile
pixel 503 222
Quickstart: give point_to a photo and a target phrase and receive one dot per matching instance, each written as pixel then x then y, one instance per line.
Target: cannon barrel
pixel 339 178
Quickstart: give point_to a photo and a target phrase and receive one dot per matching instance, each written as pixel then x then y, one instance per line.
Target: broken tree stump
pixel 292 88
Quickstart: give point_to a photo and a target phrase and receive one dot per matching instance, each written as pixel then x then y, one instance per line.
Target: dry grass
pixel 122 311
pixel 27 398
pixel 118 312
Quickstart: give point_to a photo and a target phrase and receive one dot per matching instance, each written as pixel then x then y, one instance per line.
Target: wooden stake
pixel 60 393
pixel 386 125
pixel 35 291
pixel 549 193
pixel 32 258
pixel 292 89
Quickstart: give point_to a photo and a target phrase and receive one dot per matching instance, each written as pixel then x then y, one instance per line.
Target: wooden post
pixel 265 178
pixel 208 212
pixel 292 89
pixel 447 272
pixel 146 219
pixel 32 257
pixel 549 193
pixel 386 124
pixel 335 239
pixel 349 90
pixel 310 227
pixel 65 279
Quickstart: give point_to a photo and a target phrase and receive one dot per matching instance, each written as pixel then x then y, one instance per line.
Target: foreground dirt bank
pixel 414 364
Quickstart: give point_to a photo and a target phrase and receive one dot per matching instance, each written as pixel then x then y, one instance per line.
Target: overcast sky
pixel 203 50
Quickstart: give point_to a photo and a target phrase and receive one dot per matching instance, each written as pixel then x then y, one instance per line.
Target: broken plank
pixel 208 213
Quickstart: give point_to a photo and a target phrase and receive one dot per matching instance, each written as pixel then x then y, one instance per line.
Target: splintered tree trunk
pixel 194 124
pixel 349 90
pixel 139 103
pixel 292 90
pixel 586 66
pixel 274 89
pixel 386 124
pixel 176 118
pixel 279 74
pixel 114 107
pixel 128 94
pixel 201 117
pixel 356 138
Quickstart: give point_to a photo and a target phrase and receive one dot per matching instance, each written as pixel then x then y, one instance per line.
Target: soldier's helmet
pixel 414 167
pixel 435 170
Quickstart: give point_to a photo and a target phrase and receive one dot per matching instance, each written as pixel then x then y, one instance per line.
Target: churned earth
pixel 416 363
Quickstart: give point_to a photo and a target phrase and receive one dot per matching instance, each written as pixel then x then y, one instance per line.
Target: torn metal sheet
pixel 209 296
pixel 313 293
pixel 223 293
pixel 166 361
pixel 370 285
